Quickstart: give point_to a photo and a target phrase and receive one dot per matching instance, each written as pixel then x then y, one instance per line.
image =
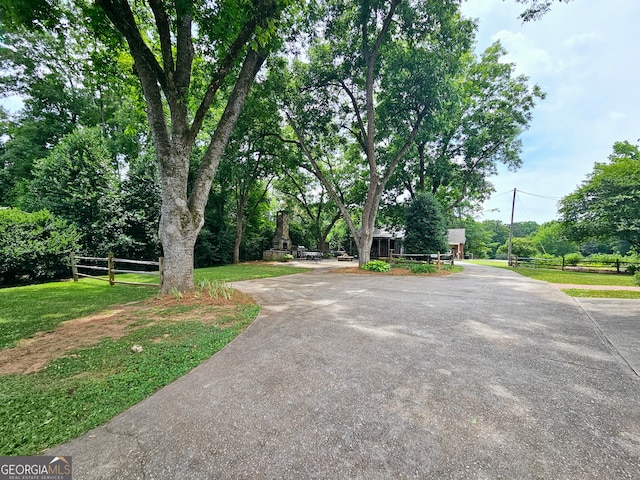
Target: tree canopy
pixel 607 204
pixel 476 127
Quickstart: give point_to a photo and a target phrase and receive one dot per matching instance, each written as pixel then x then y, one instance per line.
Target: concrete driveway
pixel 479 375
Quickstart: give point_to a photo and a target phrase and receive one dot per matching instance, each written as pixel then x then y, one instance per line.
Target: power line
pixel 500 194
pixel 540 196
pixel 546 197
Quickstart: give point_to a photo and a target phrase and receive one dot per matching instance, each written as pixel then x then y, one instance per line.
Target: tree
pixel 78 182
pixel 371 80
pixel 524 229
pixel 499 233
pixel 607 204
pixel 483 113
pixel 550 239
pixel 537 8
pixel 230 42
pixel 425 228
pixel 252 156
pixel 520 247
pixel 311 203
pixel 140 207
pixel 43 68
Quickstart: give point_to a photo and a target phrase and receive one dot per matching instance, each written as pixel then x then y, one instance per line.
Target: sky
pixel 585 56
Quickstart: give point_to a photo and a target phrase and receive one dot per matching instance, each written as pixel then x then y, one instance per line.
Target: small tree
pixel 425 227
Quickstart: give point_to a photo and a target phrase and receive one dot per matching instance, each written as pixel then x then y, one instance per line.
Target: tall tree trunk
pixel 242 204
pixel 179 227
pixel 365 238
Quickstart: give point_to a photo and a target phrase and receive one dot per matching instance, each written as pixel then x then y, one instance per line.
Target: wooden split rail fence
pixel 107 265
pixel 421 258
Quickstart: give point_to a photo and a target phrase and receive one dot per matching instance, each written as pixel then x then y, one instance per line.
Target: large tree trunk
pixel 178 247
pixel 242 205
pixel 179 226
pixel 364 239
pixel 363 244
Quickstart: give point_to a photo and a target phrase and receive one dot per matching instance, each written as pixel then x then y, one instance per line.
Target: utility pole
pixel 513 206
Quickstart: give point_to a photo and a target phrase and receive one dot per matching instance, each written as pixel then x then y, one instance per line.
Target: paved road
pixel 480 375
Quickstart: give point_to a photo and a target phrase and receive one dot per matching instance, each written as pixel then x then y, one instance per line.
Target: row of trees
pixel 381 98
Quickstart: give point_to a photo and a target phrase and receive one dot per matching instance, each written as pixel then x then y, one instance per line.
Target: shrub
pixel 603 258
pixel 633 269
pixel 572 258
pixel 422 268
pixel 34 246
pixel 636 278
pixel 377 266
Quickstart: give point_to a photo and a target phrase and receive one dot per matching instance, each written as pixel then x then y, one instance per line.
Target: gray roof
pixel 457 236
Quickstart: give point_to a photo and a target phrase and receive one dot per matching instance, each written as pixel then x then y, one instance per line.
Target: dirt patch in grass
pixel 33 354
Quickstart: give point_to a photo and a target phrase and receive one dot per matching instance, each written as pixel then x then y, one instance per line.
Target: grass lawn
pixel 145 343
pixel 583 293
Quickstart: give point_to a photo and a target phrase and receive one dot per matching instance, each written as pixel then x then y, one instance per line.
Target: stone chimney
pixel 282 241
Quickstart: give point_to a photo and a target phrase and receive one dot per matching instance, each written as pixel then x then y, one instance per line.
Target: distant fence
pixel 437 258
pixel 586 265
pixel 107 266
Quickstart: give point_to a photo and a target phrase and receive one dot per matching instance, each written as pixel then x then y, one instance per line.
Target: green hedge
pixel 34 246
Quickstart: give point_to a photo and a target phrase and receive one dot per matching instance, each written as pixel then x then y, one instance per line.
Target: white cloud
pixel 583 39
pixel 528 58
pixel 617 115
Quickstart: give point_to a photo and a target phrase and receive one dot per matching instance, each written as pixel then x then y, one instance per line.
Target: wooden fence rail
pixel 437 258
pixel 617 266
pixel 111 269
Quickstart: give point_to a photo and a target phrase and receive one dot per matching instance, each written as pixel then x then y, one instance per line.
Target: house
pixel 384 242
pixel 457 239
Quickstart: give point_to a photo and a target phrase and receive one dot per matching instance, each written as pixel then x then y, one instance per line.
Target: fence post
pixel 161 269
pixel 74 268
pixel 110 269
pixel 438 261
pixel 618 265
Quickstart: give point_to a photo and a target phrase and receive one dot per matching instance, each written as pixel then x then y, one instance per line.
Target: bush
pixel 573 258
pixel 633 269
pixel 422 268
pixel 34 246
pixel 603 258
pixel 636 278
pixel 377 266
